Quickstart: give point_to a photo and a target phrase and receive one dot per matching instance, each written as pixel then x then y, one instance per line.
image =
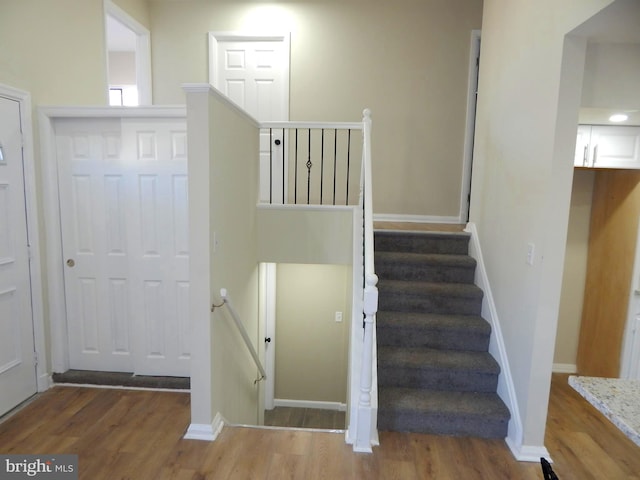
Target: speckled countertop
pixel 618 399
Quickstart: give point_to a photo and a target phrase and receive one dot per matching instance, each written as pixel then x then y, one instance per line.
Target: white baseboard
pixel 44 382
pixel 528 453
pixel 564 368
pixel 204 431
pixel 283 402
pixel 391 217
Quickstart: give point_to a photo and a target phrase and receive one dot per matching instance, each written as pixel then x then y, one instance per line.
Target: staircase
pixel 435 374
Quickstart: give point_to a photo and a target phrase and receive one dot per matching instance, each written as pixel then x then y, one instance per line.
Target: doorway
pixel 307 351
pixel 128 58
pixel 21 332
pixel 253 71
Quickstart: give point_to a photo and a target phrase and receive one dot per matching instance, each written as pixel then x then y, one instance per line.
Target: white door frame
pixel 143 51
pixel 37 306
pixel 52 217
pixel 472 89
pixel 631 340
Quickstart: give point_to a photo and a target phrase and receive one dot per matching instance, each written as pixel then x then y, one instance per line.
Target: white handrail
pixel 243 332
pixel 314 125
pixel 370 297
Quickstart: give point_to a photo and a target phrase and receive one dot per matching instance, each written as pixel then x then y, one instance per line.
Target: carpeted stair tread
pixel 463 290
pixel 430 297
pixel 451 332
pixel 436 359
pixel 480 414
pixel 430 267
pixel 421 242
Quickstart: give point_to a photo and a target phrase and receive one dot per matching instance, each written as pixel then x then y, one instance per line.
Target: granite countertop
pixel 616 398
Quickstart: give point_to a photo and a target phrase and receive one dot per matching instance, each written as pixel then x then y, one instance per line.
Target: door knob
pixel 71 262
pixel 277 142
pixel 267 340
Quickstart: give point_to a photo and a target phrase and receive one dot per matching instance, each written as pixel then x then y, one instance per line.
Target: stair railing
pixel 243 332
pixel 366 421
pixel 309 163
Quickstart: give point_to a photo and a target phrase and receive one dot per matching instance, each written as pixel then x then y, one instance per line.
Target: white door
pixel 17 359
pixel 123 203
pixel 253 71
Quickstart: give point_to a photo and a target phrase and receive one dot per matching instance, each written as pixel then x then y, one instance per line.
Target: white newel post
pixel 365 421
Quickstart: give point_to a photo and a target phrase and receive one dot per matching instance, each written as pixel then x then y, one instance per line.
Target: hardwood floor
pixel 137 435
pixel 305 418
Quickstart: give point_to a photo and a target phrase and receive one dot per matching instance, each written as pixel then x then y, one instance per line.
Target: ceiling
pixel 617 23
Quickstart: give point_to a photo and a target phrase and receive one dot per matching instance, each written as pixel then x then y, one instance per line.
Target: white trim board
pixel 283 402
pixel 564 368
pixel 207 432
pixel 23 98
pixel 506 387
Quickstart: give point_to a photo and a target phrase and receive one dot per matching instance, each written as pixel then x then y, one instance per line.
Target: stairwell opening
pixel 309 339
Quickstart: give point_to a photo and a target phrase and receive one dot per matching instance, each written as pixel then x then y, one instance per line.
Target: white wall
pixel 407 60
pixel 612 76
pixel 525 137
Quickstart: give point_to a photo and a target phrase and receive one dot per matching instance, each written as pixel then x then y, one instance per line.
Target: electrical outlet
pixel 338 316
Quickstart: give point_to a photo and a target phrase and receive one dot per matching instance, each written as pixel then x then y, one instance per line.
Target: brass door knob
pixel 71 262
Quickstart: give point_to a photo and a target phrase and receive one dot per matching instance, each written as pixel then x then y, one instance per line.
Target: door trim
pixel 629 342
pixel 467 160
pixel 215 37
pixel 37 306
pixel 52 218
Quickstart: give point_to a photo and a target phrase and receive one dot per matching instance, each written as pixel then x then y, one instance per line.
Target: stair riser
pixel 448 340
pixel 438 424
pixel 400 302
pixel 421 244
pixel 459 381
pixel 425 273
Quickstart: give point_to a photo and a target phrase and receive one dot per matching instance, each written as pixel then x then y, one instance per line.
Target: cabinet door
pixel 581 158
pixel 615 147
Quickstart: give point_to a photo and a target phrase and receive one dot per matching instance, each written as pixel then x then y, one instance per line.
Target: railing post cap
pixel 371 279
pixel 366 113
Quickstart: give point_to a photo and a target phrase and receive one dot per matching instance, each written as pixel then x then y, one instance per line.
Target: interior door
pixel 18 379
pixel 253 71
pixel 123 203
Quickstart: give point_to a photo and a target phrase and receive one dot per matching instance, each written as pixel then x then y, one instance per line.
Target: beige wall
pixel 406 60
pixel 122 68
pixel 305 235
pixel 54 50
pixel 575 270
pixel 138 9
pixel 525 138
pixel 311 347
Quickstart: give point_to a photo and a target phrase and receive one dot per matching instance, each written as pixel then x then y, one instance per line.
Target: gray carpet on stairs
pixel 435 374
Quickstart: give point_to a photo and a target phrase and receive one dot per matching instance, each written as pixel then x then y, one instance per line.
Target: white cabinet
pixel 602 146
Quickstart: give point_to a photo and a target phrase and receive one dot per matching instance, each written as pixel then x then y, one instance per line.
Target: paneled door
pixel 17 359
pixel 253 71
pixel 124 220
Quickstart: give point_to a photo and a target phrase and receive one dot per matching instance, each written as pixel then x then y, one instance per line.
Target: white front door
pixel 18 379
pixel 123 203
pixel 253 71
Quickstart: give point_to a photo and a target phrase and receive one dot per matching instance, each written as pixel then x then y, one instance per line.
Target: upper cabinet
pixel 600 146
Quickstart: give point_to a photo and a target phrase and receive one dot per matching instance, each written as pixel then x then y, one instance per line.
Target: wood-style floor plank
pixel 137 435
